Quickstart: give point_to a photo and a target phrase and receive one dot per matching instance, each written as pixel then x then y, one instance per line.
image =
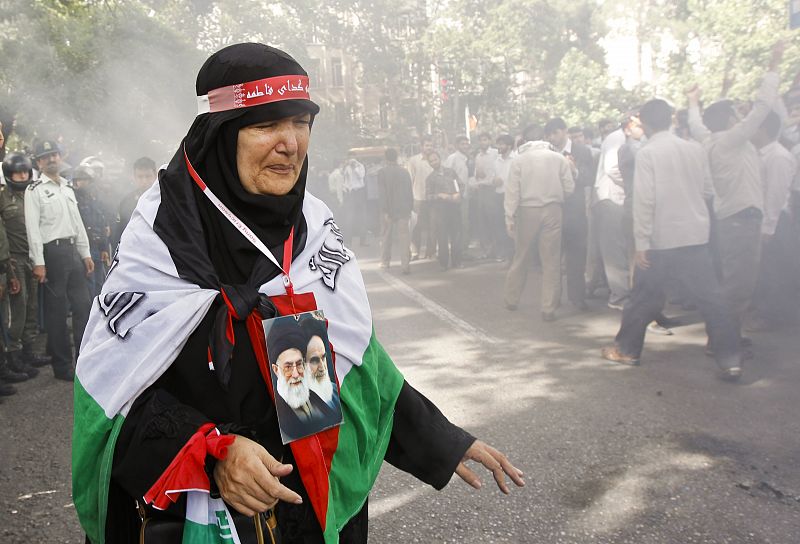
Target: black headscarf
pixel 211 146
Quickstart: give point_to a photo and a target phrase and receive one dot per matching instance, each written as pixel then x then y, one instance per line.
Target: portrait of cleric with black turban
pixel 303 378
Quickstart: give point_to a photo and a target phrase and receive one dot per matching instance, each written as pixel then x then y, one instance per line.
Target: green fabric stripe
pixel 93 439
pixel 368 394
pixel 197 533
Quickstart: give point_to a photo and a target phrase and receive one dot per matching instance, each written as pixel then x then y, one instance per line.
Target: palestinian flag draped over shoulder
pixel 142 320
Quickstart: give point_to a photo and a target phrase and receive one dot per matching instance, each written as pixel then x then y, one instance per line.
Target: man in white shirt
pixel 671 226
pixel 775 301
pixel 354 204
pixel 458 161
pixel 419 169
pixel 502 165
pixel 58 243
pixel 484 194
pixel 609 220
pixel 336 188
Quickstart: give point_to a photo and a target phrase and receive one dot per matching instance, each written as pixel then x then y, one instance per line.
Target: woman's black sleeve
pixel 154 431
pixel 423 442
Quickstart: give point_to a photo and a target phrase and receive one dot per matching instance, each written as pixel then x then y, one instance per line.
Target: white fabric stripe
pixel 203 105
pixel 201 509
pixel 347 307
pixel 114 370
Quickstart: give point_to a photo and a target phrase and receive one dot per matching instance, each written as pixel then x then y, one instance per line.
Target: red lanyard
pixel 245 230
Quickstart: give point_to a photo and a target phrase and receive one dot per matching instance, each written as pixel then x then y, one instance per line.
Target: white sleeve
pixel 35 246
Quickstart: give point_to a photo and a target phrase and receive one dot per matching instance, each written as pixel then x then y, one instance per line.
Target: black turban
pixel 313 327
pixel 285 334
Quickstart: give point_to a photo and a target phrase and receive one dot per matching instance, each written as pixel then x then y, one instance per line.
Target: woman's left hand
pixel 496 462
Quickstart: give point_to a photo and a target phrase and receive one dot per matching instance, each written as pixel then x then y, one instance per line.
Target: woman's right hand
pixel 247 478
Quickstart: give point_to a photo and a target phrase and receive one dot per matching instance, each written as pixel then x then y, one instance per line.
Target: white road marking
pixel 470 331
pixel 31 495
pixel 379 507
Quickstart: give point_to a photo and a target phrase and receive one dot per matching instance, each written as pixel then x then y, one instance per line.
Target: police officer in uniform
pixel 97 226
pixel 8 374
pixel 58 243
pixel 23 299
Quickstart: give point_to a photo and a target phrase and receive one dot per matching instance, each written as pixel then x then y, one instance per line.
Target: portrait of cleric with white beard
pixel 301 410
pixel 318 359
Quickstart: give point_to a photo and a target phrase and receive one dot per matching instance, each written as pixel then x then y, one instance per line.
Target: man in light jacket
pixel 671 225
pixel 539 180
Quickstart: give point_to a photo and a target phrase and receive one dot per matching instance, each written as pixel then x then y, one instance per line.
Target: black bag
pixel 258 529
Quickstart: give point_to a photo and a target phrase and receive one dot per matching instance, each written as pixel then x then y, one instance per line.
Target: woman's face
pixel 270 154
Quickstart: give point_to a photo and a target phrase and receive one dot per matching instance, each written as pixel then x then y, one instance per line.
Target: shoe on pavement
pixel 18 364
pixel 655 328
pixel 747 354
pixel 406 271
pixel 733 373
pixel 612 353
pixel 615 306
pixel 6 390
pixel 9 376
pixel 35 359
pixel 66 374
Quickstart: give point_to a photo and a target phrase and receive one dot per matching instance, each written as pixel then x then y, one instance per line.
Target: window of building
pixel 315 74
pixel 337 75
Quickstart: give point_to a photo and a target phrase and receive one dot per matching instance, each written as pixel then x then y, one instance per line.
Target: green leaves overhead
pixel 116 72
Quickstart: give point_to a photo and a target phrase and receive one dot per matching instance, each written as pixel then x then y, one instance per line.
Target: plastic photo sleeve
pixel 303 374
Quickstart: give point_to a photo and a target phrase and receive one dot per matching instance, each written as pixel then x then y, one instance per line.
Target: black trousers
pixel 574 235
pixel 692 266
pixel 504 243
pixel 65 288
pixel 484 200
pixel 776 297
pixel 447 219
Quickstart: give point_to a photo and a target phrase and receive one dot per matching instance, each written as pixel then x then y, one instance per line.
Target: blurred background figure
pixel 396 204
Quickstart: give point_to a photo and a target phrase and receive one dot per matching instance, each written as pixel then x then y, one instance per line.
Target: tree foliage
pixel 119 73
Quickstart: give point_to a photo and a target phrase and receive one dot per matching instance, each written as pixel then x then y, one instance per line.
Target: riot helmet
pixel 95 165
pixel 17 163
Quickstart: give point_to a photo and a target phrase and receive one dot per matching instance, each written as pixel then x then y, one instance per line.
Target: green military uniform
pixel 20 325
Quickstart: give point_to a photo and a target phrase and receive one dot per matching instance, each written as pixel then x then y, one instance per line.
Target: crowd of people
pixel 698 207
pixel 58 226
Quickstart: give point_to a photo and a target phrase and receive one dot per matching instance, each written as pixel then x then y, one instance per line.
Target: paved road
pixel 662 453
